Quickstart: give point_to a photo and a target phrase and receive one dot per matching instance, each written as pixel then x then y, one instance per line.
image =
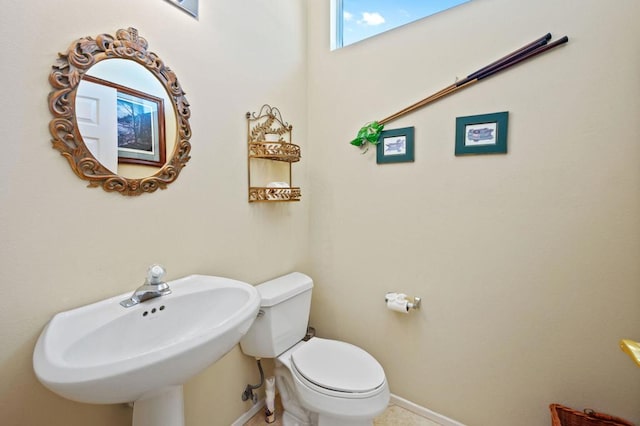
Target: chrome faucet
pixel 153 287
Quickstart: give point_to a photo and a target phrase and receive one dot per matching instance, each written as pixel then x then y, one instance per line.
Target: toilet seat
pixel 337 368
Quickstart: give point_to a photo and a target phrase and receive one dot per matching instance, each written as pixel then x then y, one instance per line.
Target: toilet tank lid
pixel 282 288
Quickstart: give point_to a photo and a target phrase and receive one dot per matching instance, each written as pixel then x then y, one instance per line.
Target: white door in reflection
pixel 98 122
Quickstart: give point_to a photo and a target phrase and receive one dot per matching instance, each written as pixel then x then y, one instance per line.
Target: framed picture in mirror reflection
pixel 140 125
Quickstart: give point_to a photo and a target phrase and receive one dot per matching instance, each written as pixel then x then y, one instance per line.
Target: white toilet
pixel 321 382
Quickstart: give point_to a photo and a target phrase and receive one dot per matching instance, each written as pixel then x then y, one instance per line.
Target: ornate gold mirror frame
pixel 65 77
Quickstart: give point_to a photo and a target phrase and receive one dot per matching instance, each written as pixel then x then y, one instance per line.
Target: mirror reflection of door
pixel 98 122
pixel 115 74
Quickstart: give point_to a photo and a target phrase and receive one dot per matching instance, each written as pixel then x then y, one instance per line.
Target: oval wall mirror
pixel 120 116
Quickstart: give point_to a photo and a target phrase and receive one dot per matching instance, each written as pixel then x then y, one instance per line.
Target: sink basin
pixel 105 353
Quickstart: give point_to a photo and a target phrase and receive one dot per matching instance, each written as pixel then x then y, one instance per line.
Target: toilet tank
pixel 283 317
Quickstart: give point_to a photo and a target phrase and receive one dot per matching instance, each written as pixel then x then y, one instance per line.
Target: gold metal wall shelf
pixel 278 151
pixel 269 138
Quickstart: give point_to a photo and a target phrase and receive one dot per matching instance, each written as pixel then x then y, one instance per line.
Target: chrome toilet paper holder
pixel 412 302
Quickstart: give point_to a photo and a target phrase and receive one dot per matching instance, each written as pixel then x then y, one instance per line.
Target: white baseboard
pixel 247 415
pixel 396 400
pixel 424 412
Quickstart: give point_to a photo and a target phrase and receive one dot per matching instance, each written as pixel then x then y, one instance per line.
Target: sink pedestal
pixel 162 409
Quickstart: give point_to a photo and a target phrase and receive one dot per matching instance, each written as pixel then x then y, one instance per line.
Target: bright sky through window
pixel 365 18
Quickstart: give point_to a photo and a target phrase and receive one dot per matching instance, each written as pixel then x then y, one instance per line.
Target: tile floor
pixel 393 416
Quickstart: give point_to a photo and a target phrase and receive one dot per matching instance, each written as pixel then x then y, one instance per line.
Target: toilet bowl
pixel 339 382
pixel 321 381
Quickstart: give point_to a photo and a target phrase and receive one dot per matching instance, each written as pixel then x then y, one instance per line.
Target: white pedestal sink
pixel 104 353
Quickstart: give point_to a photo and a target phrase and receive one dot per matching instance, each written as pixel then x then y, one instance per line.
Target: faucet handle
pixel 155 274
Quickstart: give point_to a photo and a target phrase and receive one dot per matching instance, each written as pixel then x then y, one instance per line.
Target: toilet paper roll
pixel 398 305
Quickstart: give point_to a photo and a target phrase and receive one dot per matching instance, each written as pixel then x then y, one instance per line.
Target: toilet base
pixel 290 420
pixel 324 420
pixel 294 413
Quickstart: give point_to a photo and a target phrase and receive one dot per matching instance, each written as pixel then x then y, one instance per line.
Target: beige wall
pixel 63 245
pixel 527 262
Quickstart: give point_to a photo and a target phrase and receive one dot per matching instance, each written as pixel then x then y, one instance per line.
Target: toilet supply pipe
pixel 399 302
pixel 248 391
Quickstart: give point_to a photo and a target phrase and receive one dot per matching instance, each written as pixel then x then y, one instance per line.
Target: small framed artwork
pixel 141 137
pixel 395 146
pixel 482 134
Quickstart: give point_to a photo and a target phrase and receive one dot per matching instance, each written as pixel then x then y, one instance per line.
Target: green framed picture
pixel 395 146
pixel 482 134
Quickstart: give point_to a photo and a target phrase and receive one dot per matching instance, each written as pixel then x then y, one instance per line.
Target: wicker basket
pixel 565 416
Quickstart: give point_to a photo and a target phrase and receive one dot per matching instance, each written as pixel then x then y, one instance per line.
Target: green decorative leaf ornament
pixel 369 133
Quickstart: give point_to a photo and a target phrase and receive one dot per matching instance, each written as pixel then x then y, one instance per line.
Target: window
pixel 355 20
